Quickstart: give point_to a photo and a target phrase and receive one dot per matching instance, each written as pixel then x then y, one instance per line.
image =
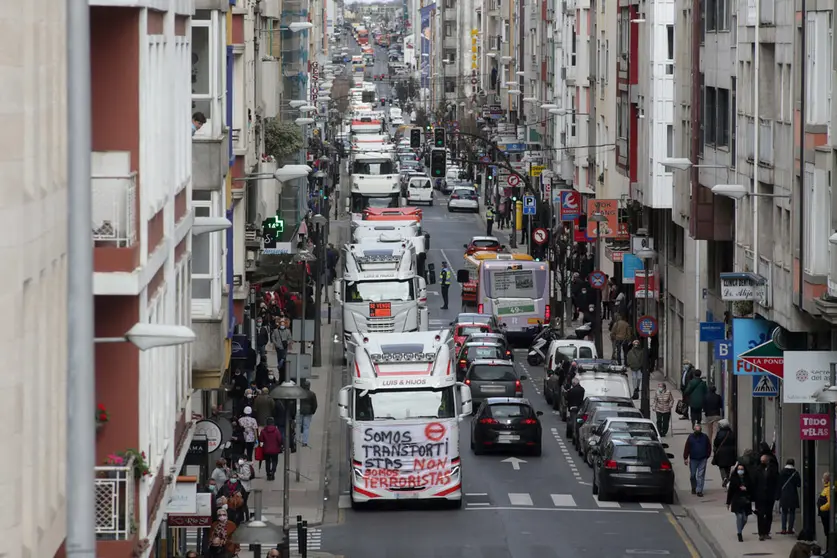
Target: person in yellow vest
pixel 444 280
pixel 489 220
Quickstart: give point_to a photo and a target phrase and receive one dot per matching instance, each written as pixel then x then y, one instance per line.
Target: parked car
pixel 635 467
pixel 493 378
pixel 506 422
pixel 597 377
pixel 585 432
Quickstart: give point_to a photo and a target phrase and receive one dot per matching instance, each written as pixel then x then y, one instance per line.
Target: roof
pixel 507 400
pixel 494 238
pixel 493 362
pixel 482 343
pixel 486 335
pixel 474 315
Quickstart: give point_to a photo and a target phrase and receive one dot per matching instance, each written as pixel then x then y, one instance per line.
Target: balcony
pixel 115 494
pixel 210 161
pixel 114 210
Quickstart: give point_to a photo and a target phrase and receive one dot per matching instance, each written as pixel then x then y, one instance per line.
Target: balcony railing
pixel 114 210
pixel 115 489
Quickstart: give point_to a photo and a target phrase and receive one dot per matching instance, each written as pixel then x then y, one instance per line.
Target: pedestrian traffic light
pixel 415 138
pixel 439 137
pixel 438 159
pixel 271 229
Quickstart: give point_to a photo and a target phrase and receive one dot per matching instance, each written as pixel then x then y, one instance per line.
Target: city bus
pixel 472 264
pixel 516 293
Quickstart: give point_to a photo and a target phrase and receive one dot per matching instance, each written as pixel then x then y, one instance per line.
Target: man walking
pixel 444 280
pixel 307 408
pixel 712 408
pixel 696 454
pixel 635 359
pixel 489 220
pixel 281 339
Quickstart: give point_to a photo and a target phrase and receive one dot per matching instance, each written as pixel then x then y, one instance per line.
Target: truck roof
pixel 402 360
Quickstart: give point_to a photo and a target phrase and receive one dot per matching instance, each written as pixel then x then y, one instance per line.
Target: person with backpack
pixel 695 394
pixel 270 441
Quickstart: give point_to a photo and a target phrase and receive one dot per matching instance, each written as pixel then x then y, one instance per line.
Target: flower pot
pixel 99 426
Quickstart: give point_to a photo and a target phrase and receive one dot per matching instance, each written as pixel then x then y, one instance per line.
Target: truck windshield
pixel 377 291
pixel 405 404
pixel 373 167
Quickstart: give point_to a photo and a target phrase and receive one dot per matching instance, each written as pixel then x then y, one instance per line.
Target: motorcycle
pixel 582 332
pixel 539 346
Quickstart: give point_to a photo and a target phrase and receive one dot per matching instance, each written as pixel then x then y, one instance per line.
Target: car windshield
pixel 382 203
pixel 485 243
pixel 404 404
pixel 468 330
pixel 464 192
pixel 643 453
pixel 631 426
pixel 518 283
pixel 492 373
pixel 483 351
pixel 573 351
pixel 377 291
pixel 605 414
pixel 510 411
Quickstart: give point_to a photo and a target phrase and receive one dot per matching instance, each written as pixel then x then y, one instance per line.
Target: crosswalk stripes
pixel 525 500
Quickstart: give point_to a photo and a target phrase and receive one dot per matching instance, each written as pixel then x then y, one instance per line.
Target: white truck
pixel 403 410
pixel 374 181
pixel 409 231
pixel 381 290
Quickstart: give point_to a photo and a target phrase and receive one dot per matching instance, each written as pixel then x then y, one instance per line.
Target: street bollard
pixel 329 312
pixel 304 540
pixel 299 524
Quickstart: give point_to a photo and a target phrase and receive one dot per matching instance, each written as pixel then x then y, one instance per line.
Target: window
pixel 669 141
pixel 669 50
pixel 711 7
pixel 208 71
pixel 624 32
pixel 450 55
pixel 733 110
pixel 450 85
pixel 818 219
pixel 450 28
pixel 722 136
pixel 622 109
pixel 784 93
pixel 716 117
pixel 207 265
pixel 572 46
pixel 701 113
pixel 702 21
pixel 709 115
pixel 449 4
pixel 818 86
pixel 723 15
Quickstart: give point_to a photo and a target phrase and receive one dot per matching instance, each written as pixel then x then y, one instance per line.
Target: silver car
pixel 493 378
pixel 464 199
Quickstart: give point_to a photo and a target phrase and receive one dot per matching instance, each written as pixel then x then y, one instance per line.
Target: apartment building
pixel 33 219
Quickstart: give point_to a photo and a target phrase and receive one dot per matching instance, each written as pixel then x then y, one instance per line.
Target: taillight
pixel 547 314
pixel 463 362
pixel 665 466
pixel 508 353
pixel 530 421
pixel 584 418
pixel 467 382
pixel 454 197
pixel 518 388
pixel 610 464
pixel 550 364
pixel 479 309
pixel 488 421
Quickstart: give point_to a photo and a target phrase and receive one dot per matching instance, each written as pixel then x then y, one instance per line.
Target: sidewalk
pixel 714 522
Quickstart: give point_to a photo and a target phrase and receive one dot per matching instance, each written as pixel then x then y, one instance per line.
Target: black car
pixel 506 422
pixel 590 405
pixel 633 466
pixel 598 418
pixel 476 350
pixel 494 337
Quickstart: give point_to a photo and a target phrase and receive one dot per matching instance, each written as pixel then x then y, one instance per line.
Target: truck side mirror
pixel 467 403
pixel 427 241
pixel 463 276
pixel 343 402
pixel 431 273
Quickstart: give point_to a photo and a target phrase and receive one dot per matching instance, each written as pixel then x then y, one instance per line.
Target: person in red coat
pixel 270 441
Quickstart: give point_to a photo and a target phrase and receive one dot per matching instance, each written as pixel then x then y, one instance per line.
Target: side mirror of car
pixel 539 413
pixel 524 377
pixel 670 455
pixel 665 446
pixel 465 246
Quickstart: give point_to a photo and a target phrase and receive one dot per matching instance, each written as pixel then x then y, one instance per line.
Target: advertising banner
pixel 426 43
pixel 814 426
pixel 605 229
pixel 748 333
pixel 806 374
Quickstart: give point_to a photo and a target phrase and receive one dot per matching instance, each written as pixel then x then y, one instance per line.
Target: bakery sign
pixel 743 286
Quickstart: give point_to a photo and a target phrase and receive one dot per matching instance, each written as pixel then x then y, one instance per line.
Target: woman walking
pixel 663 401
pixel 723 450
pixel 740 499
pixel 789 484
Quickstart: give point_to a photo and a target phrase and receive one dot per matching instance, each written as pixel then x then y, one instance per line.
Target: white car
pixel 464 199
pixel 420 190
pixel 570 349
pixel 396 121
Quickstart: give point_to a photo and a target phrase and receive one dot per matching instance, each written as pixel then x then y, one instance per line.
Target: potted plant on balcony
pixel 139 463
pixel 102 416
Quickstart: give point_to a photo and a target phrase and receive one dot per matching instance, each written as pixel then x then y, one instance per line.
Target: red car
pixel 462 331
pixel 484 244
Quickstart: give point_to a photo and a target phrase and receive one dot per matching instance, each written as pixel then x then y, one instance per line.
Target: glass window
pixel 377 291
pixel 642 453
pixel 200 60
pixel 468 330
pixel 484 372
pixel 201 252
pixel 485 351
pixel 506 411
pixel 513 284
pixel 405 404
pixel 585 352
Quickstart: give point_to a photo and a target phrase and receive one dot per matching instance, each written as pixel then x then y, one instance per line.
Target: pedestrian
pixel 271 442
pixel 281 339
pixel 221 472
pixel 251 431
pixel 237 389
pixel 307 408
pixel 766 486
pixel 686 375
pixel 273 553
pixel 695 394
pixel 221 543
pixel 739 499
pixel 578 299
pixel 789 484
pixel 245 476
pixel 444 281
pixel 713 406
pixel 824 504
pixel 233 491
pixel 663 401
pixel 723 450
pixel 191 554
pixel 262 337
pixel 620 335
pixel 574 398
pixel 696 454
pixel 236 446
pixel 332 257
pixel 263 406
pixel 635 359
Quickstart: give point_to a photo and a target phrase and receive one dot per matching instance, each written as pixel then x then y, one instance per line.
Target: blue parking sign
pixel 723 350
pixel 529 206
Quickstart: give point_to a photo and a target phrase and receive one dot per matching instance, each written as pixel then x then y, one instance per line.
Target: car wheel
pixel 669 498
pixel 595 486
pixel 430 203
pixel 538 450
pixel 587 459
pixel 478 449
pixel 472 445
pixel 357 506
pixel 455 504
pixel 605 496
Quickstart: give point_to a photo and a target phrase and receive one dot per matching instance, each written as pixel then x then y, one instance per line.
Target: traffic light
pixel 438 159
pixel 439 137
pixel 271 230
pixel 428 127
pixel 415 138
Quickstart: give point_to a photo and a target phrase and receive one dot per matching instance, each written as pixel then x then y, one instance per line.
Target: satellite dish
pixel 779 338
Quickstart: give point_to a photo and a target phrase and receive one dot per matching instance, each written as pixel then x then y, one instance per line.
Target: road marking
pixel 651 505
pixel 479 504
pixel 520 499
pixel 476 494
pixel 693 553
pixel 563 500
pixel 344 502
pixel 606 504
pixel 521 508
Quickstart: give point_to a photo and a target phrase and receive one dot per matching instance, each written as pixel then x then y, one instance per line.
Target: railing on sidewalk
pixel 114 210
pixel 115 493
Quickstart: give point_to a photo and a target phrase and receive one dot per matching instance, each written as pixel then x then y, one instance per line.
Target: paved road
pixel 544 510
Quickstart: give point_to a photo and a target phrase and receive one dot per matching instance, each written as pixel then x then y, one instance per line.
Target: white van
pixel 420 190
pixel 396 116
pixel 569 349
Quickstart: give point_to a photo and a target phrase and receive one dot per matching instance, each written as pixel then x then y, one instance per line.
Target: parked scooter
pixel 540 344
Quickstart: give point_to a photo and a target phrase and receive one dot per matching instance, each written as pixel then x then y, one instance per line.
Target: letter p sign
pixel 723 350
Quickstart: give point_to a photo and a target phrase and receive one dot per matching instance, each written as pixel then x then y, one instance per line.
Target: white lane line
pixel 476 494
pixel 516 499
pixel 479 504
pixel 651 505
pixel 563 500
pixel 606 504
pixel 595 510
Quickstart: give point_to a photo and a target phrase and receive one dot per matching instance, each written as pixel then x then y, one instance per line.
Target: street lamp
pixel 597 218
pixel 549 106
pixel 515 92
pixel 291 172
pixel 203 225
pixel 303 120
pixel 682 163
pixel 738 191
pixel 529 100
pixel 151 336
pixel 298 26
pixel 307 108
pixel 287 392
pixel 646 255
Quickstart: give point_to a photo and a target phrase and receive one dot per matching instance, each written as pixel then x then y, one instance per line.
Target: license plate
pixel 638 469
pixel 406 495
pixel 508 438
pixel 494 389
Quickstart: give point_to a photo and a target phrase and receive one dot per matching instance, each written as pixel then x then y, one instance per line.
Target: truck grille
pixel 381 325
